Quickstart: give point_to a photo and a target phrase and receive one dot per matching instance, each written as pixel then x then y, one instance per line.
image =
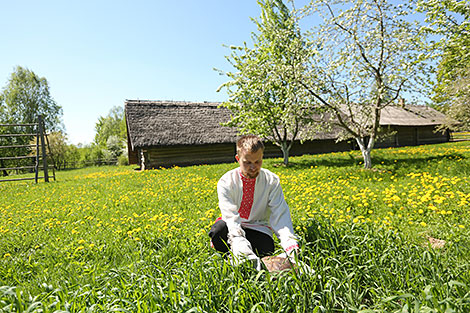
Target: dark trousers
pixel 261 243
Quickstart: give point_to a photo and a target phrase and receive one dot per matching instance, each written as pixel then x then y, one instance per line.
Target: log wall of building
pixel 411 136
pixel 189 155
pixel 182 155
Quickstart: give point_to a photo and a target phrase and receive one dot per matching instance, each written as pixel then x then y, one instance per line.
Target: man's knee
pixel 219 235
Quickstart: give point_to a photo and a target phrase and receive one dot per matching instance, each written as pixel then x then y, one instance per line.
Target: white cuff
pixel 240 246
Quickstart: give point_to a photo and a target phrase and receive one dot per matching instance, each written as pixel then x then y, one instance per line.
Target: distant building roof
pixel 167 123
pixel 412 115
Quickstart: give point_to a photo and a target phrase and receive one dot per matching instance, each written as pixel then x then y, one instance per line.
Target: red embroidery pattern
pixel 288 249
pixel 247 198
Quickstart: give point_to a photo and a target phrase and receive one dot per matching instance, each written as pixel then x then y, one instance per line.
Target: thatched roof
pixel 412 115
pixel 169 123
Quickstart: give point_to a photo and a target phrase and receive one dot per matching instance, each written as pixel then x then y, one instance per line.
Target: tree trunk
pixel 285 153
pixel 367 158
pixel 366 151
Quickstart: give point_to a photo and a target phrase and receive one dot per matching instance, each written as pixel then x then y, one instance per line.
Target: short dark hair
pixel 249 143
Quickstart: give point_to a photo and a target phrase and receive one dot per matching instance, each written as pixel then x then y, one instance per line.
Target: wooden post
pixel 142 160
pixel 36 165
pixel 43 148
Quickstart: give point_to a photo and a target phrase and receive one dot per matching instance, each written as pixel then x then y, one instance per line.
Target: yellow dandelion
pixel 423 224
pixel 6 255
pixel 461 226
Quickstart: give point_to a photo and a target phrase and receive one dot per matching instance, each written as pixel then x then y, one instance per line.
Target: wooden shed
pixel 412 125
pixel 166 133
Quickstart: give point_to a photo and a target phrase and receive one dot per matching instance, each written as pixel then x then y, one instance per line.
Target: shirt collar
pixel 246 179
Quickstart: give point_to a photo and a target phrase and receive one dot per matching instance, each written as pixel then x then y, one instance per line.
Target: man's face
pixel 250 163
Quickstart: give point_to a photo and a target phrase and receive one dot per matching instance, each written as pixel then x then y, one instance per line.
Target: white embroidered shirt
pixel 257 204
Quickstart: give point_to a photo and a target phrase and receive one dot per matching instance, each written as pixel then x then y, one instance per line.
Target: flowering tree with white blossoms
pixel 367 54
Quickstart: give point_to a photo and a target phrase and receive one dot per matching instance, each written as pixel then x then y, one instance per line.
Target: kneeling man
pixel 253 207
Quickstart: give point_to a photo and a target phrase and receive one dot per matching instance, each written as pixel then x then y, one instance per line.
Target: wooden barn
pixel 167 133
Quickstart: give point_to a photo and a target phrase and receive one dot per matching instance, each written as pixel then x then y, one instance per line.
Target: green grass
pixel 113 239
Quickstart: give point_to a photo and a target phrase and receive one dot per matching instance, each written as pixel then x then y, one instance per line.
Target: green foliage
pixel 25 97
pixel 449 20
pixel 459 109
pixel 265 94
pixel 113 239
pixel 59 149
pixel 123 159
pixel 114 124
pixel 21 101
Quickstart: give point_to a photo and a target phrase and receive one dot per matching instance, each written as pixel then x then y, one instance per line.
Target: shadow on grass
pixel 351 160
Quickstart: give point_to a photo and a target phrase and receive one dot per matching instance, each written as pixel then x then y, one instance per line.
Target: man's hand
pixel 236 260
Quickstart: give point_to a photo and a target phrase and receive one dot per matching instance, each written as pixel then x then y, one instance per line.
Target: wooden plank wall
pixel 189 155
pixel 428 135
pixel 411 136
pixel 223 153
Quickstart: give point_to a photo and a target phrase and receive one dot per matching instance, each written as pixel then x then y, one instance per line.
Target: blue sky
pixel 97 54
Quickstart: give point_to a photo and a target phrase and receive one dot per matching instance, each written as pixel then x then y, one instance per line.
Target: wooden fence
pixel 460 136
pixel 40 157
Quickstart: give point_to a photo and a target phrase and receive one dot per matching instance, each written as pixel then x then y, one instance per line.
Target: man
pixel 253 207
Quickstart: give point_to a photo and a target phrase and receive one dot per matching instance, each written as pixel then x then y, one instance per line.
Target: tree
pixel 449 19
pixel 73 156
pixel 21 101
pixel 265 95
pixel 459 91
pixel 114 146
pixel 368 54
pixel 58 149
pixel 114 124
pixel 25 97
pixel 110 138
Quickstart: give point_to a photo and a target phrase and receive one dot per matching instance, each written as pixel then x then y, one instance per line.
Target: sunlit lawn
pixel 112 238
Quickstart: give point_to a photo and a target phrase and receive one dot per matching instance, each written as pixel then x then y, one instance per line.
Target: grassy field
pixel 113 239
